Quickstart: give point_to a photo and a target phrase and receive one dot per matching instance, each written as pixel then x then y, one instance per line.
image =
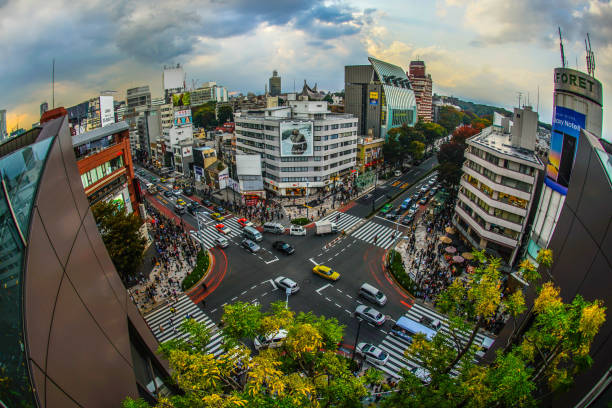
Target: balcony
pixel 489 217
pixel 497 187
pixel 488 235
pixel 499 170
pixel 493 203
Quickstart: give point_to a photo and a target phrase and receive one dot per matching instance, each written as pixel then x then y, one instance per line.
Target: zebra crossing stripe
pixel 386 235
pixel 346 221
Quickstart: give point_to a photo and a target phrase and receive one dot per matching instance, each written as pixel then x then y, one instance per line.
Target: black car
pixel 168 193
pixel 408 219
pixel 283 247
pixel 179 209
pixel 188 191
pixel 193 208
pixel 220 209
pixel 207 203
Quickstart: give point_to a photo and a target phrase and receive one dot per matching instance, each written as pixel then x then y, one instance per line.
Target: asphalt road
pixel 239 275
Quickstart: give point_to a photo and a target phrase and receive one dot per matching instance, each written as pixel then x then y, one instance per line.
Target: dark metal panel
pixel 58 398
pixel 93 288
pixel 82 360
pixel 561 234
pixel 144 331
pixel 39 384
pixel 43 275
pixel 56 206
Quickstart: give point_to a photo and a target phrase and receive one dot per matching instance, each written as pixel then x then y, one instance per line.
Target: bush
pixel 300 221
pixel 198 272
pixel 399 273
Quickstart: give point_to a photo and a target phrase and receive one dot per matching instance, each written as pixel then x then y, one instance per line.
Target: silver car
pixel 286 283
pixel 250 245
pixel 372 354
pixel 369 314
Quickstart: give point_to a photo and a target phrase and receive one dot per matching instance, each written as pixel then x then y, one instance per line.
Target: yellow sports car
pixel 326 272
pixel 217 216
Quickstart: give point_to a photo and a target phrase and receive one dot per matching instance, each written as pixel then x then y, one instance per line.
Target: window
pixel 334 126
pixel 317 148
pixel 335 136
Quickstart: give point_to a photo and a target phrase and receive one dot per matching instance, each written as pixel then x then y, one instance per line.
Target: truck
pixel 325 227
pixel 151 188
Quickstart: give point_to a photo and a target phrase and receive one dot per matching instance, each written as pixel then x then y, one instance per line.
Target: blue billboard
pixel 563 146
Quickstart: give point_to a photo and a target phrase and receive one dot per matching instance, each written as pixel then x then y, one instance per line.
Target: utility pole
pixel 356 337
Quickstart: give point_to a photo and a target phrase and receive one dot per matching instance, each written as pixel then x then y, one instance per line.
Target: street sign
pixel 287 291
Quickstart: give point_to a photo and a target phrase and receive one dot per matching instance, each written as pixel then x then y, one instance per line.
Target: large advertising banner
pixel 563 145
pixel 182 117
pixel 107 110
pixel 296 139
pixel 182 99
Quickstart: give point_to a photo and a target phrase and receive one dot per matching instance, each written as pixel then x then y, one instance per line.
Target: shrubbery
pixel 198 272
pixel 300 221
pixel 399 273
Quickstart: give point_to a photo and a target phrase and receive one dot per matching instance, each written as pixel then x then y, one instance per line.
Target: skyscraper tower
pixel 577 104
pixel 275 84
pixel 422 87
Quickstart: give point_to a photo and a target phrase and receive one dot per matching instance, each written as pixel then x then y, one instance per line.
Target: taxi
pixel 223 229
pixel 181 201
pixel 326 272
pixel 217 217
pixel 244 222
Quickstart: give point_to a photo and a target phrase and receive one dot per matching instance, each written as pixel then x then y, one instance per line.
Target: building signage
pixel 577 82
pixel 296 139
pixel 373 98
pixel 187 151
pixel 563 145
pixel 182 117
pixel 107 110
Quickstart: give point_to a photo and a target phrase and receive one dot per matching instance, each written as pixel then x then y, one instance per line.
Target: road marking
pixel 349 296
pixel 383 331
pixel 320 254
pixel 347 246
pixel 338 290
pixel 330 259
pixel 253 287
pixel 264 294
pixel 243 293
pixel 234 298
pixel 214 310
pixel 274 260
pixel 360 302
pixel 273 284
pixel 338 305
pixel 266 281
pixel 379 198
pixel 347 311
pixel 313 261
pixel 223 304
pixel 328 299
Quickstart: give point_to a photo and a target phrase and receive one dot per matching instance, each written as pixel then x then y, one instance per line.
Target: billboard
pixel 182 117
pixel 181 99
pixel 107 110
pixel 187 151
pixel 296 139
pixel 563 144
pixel 373 98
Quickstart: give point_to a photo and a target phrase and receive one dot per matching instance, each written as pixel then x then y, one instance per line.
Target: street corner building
pixel 70 333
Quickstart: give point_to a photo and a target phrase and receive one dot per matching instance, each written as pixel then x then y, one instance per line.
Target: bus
pixel 406 204
pixel 406 328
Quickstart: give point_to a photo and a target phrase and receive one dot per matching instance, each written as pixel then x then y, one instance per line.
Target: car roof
pixel 326 268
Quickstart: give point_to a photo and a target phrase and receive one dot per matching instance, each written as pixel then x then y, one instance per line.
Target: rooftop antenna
pixel 538 106
pixel 53 84
pixel 520 95
pixel 590 56
pixel 563 61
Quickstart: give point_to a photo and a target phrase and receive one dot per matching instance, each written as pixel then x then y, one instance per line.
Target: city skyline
pixel 476 50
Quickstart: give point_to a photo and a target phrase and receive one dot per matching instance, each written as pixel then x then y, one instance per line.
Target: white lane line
pixel 274 260
pixel 223 304
pixel 349 296
pixel 234 298
pixel 243 293
pixel 379 198
pixel 273 284
pixel 253 287
pixel 338 290
pixel 337 305
pixel 347 311
pixel 330 259
pixel 320 254
pixel 264 294
pixel 313 261
pixel 328 299
pixel 214 310
pixel 383 331
pixel 337 254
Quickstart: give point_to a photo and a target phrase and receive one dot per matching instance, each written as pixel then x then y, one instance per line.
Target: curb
pixel 196 285
pixel 397 284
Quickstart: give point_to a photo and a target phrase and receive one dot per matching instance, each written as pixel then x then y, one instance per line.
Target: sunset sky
pixel 480 50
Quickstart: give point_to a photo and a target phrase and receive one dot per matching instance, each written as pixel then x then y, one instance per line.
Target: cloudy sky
pixel 479 50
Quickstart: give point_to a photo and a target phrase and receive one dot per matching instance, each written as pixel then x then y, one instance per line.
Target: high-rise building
pixel 380 96
pixel 3 134
pixel 422 86
pixel 43 108
pixel 275 84
pixel 498 184
pixel 578 104
pixel 173 81
pixel 208 92
pixel 138 101
pixel 304 147
pixel 73 337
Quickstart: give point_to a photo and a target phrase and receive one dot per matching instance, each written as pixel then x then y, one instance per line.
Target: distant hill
pixel 484 110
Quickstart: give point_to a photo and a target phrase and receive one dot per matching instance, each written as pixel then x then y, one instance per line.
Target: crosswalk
pixel 395 346
pixel 207 233
pixel 342 220
pixel 163 330
pixel 383 235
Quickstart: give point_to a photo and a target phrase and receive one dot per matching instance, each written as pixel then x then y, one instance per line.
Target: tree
pixel 449 118
pixel 555 347
pixel 305 372
pixel 462 133
pixel 430 131
pixel 450 157
pixel 392 149
pixel 120 232
pixel 225 114
pixel 328 98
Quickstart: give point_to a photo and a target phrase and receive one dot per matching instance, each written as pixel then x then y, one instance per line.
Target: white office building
pixel 498 185
pixel 208 92
pixel 304 147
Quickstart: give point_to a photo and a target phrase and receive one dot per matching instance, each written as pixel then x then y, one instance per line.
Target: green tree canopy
pixel 225 114
pixel 449 118
pixel 120 232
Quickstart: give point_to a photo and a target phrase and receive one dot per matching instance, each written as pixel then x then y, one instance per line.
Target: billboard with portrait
pixel 563 145
pixel 373 98
pixel 181 99
pixel 296 139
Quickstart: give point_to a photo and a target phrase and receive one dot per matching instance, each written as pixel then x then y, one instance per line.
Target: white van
pixel 397 173
pixel 274 227
pixel 372 294
pixel 270 341
pixel 252 234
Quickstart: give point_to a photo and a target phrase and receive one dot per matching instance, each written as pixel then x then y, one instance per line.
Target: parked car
pixel 207 203
pixel 243 222
pixel 179 209
pixel 194 208
pixel 326 272
pixel 250 245
pixel 286 283
pixel 283 247
pixel 372 354
pixel 369 314
pixel 223 229
pixel 297 230
pixel 407 220
pixel 392 215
